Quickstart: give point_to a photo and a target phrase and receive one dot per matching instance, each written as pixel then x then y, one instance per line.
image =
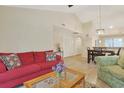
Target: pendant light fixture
pixel 100 30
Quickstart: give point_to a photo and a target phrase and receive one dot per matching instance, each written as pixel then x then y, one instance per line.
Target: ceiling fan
pixel 70 6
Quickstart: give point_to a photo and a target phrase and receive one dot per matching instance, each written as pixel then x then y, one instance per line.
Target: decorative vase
pixel 58 68
pixel 58 74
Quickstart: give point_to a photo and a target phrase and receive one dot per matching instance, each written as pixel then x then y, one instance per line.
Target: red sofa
pixel 33 64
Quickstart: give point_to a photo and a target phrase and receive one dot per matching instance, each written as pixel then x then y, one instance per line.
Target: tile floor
pixel 80 64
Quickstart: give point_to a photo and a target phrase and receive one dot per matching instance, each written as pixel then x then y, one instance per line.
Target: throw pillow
pixel 11 61
pixel 50 56
pixel 121 59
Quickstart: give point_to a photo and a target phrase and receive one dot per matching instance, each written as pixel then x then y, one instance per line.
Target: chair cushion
pixel 40 56
pixel 26 58
pixel 121 60
pixel 115 70
pixel 2 67
pixel 19 72
pixel 11 61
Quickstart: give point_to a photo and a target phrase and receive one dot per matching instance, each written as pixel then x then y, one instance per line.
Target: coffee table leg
pixel 82 83
pixel 65 74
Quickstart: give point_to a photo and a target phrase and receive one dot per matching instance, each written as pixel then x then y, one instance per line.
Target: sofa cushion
pixel 106 60
pixel 2 67
pixel 11 61
pixel 121 60
pixel 26 58
pixel 115 70
pixel 40 56
pixel 19 72
pixel 47 65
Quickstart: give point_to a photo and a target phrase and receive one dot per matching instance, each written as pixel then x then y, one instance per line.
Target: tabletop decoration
pixel 58 68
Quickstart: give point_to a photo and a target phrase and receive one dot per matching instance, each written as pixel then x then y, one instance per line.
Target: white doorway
pixel 70 44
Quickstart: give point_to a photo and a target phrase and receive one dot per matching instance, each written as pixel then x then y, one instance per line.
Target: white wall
pixel 114 31
pixel 24 29
pixel 89 36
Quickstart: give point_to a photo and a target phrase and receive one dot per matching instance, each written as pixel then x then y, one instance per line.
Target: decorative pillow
pixel 11 61
pixel 121 59
pixel 50 56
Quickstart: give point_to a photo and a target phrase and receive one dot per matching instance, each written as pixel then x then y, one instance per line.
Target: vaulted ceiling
pixel 112 15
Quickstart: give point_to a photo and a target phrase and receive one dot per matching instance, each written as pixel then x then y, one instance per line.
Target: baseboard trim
pixel 73 55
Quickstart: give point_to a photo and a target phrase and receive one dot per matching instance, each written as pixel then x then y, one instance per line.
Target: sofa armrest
pixel 58 57
pixel 106 60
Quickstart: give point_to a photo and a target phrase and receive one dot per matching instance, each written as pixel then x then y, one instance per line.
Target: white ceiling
pixel 112 15
pixel 61 8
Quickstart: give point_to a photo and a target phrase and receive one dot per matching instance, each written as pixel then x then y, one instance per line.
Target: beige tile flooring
pixel 80 64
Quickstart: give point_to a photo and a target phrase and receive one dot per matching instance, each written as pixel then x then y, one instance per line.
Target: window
pixel 114 42
pixel 108 42
pixel 118 42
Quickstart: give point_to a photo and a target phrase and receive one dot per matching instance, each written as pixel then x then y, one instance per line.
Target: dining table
pixel 92 53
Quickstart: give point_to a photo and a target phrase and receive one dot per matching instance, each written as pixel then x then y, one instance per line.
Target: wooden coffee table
pixel 69 79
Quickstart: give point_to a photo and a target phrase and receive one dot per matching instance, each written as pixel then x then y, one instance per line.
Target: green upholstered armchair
pixel 109 71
